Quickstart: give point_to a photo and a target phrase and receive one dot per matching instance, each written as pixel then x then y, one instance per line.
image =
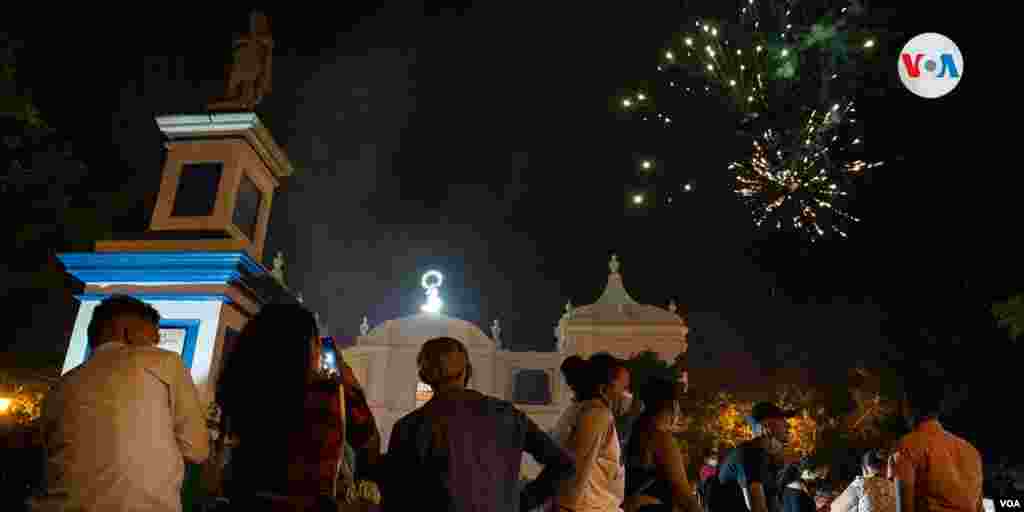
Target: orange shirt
pixel 946 469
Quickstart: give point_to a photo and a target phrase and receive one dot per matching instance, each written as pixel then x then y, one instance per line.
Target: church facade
pixel 384 357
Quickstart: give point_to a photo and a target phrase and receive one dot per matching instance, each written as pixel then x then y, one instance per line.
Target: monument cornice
pixel 246 125
pixel 180 267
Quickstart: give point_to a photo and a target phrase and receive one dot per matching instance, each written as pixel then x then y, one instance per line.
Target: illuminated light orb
pixel 646 164
pixel 688 187
pixel 669 55
pixel 627 103
pixel 641 96
pixel 431 281
pixel 869 43
pixel 638 199
pixel 5 404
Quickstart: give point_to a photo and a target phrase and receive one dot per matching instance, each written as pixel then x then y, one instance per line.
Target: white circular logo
pixel 930 65
pixel 432 279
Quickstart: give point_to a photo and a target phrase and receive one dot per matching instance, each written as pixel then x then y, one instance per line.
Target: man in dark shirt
pixel 462 450
pixel 747 475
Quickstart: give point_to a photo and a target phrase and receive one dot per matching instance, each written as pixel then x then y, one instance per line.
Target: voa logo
pixel 930 65
pixel 1009 503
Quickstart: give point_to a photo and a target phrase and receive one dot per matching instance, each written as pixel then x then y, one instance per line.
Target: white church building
pixel 384 357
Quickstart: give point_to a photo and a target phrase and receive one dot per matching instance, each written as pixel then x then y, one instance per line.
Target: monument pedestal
pixel 199 264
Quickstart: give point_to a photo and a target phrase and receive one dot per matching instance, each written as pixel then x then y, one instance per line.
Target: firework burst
pixel 798 181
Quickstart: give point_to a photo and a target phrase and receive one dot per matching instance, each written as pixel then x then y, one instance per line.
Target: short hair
pixel 117 306
pixel 874 459
pixel 443 359
pixel 925 393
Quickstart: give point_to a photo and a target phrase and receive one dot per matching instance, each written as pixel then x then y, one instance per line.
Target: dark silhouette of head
pixel 591 378
pixel 923 397
pixel 573 369
pixel 124 318
pixel 874 461
pixel 444 364
pixel 266 375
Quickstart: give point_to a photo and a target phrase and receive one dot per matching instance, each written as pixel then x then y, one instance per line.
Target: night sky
pixel 485 142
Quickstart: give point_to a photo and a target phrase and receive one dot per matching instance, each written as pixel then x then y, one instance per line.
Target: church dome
pixel 616 306
pixel 414 330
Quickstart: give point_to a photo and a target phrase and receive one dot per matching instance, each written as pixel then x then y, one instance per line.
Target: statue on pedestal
pixel 364 328
pixel 278 271
pixel 568 309
pixel 613 265
pixel 672 306
pixel 248 77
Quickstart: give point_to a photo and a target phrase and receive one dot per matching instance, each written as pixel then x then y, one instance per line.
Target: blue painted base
pixel 178 267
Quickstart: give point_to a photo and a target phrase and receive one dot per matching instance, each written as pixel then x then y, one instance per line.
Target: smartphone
pixel 329 355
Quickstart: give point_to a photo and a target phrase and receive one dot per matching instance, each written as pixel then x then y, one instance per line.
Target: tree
pixel 1010 315
pixel 26 400
pixel 58 209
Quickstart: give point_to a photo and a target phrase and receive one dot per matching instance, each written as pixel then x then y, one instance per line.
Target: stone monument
pixel 200 262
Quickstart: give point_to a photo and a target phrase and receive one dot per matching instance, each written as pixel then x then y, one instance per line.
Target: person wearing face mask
pixel 747 476
pixel 656 477
pixel 599 484
pixel 625 408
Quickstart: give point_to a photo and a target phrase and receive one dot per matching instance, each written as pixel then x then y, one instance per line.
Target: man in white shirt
pixel 119 428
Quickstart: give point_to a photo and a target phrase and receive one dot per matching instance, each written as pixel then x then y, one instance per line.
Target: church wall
pixel 624 341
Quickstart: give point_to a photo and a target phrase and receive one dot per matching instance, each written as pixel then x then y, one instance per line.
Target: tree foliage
pixel 1010 315
pixel 60 206
pixel 26 401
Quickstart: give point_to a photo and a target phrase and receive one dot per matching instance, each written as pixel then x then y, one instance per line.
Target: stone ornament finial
pixel 278 270
pixel 672 306
pixel 613 265
pixel 568 308
pixel 364 328
pixel 496 333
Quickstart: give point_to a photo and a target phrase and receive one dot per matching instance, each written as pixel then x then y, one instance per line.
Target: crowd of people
pixel 119 429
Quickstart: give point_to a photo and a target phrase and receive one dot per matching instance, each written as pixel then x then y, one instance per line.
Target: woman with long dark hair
pixel 656 480
pixel 599 483
pixel 287 415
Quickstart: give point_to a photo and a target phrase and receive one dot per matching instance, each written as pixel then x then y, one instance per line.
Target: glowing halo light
pixel 431 281
pixel 5 404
